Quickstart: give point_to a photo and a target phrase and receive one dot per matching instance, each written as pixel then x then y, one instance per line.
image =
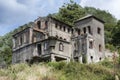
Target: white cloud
pixel 113 6
pixel 14 13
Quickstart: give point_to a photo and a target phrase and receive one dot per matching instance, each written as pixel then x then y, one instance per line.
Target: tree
pixel 116 35
pixel 70 12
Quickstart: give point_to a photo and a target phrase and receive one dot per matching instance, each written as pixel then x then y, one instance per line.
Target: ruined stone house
pixel 49 39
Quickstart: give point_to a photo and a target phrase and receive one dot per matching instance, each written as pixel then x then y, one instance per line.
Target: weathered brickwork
pixel 52 40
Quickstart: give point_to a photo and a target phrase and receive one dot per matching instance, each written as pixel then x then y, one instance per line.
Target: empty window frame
pixel 60 27
pixel 56 36
pixel 39 49
pixel 56 25
pixel 61 47
pixel 21 40
pixel 75 45
pixel 39 24
pixel 100 48
pixel 89 30
pixel 68 30
pixel 72 31
pixel 98 30
pixel 64 28
pixel 84 29
pixel 91 44
pixel 78 31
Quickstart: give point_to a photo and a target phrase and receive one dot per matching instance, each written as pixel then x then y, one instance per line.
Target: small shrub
pixel 107 63
pixel 57 65
pixel 110 47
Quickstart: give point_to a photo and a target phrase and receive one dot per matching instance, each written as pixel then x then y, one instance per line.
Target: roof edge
pixel 89 16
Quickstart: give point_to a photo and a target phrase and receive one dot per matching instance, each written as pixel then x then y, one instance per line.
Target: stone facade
pixel 49 39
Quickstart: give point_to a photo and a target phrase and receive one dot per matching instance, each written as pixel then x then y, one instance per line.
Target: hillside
pixel 60 71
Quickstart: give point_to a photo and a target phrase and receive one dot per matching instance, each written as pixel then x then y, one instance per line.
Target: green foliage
pixel 116 34
pixel 57 65
pixel 110 47
pixel 60 71
pixel 104 15
pixel 78 71
pixel 6 48
pixel 70 12
pixel 107 63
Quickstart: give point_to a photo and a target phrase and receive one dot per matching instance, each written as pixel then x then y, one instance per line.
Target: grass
pixel 59 71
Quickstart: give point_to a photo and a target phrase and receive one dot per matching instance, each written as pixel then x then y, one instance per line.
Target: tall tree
pixel 70 12
pixel 116 34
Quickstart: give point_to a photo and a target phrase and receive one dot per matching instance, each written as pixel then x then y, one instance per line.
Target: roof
pixel 89 16
pixel 21 31
pixel 29 25
pixel 61 22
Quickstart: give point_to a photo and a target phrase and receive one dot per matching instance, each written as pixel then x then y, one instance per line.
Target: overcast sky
pixel 14 13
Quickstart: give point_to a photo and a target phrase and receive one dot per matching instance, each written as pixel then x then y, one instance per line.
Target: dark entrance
pixel 39 49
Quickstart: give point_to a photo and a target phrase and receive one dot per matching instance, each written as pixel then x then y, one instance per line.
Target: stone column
pixel 53 58
pixel 68 60
pixel 80 59
pixel 14 43
pixel 30 35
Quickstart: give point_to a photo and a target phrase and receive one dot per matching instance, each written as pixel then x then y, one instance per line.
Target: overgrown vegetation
pixel 60 71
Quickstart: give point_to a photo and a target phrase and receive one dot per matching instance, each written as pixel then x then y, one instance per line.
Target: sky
pixel 14 13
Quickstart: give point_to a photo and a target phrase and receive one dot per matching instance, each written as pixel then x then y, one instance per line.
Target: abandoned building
pixel 49 39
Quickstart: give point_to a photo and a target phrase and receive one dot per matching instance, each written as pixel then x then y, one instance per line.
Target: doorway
pixel 39 49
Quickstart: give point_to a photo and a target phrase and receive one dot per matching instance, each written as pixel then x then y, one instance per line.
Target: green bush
pixel 110 47
pixel 61 71
pixel 57 65
pixel 107 63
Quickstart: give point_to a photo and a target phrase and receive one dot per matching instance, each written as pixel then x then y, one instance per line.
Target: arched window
pixel 61 47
